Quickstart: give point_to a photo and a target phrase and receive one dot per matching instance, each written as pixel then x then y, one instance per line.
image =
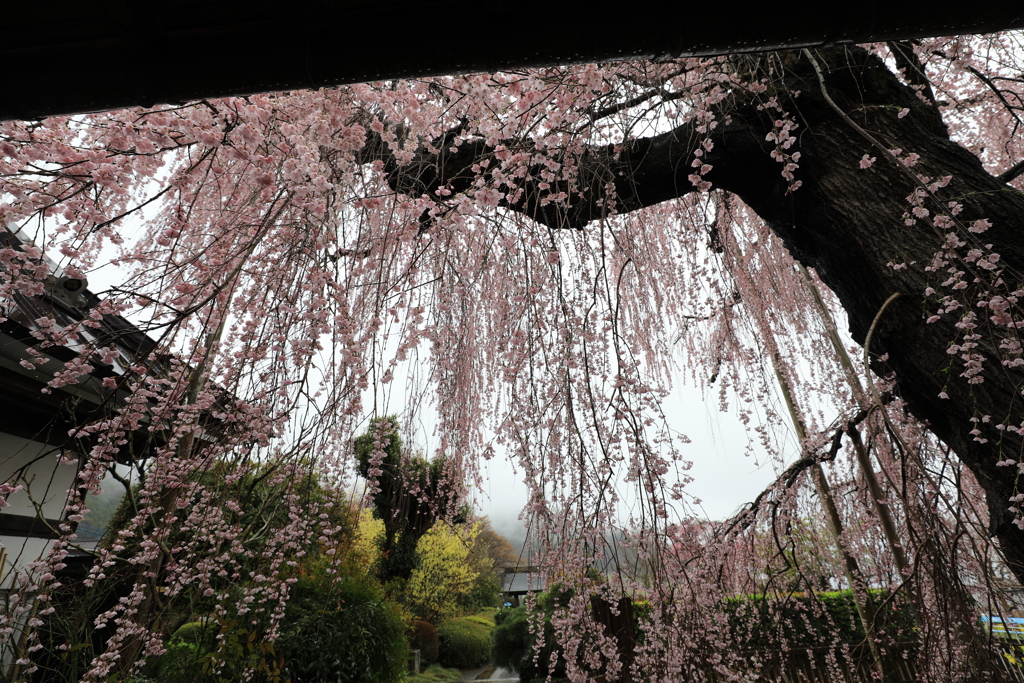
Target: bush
pixel 198 632
pixel 185 653
pixel 424 639
pixel 435 673
pixel 464 643
pixel 513 644
pixel 802 620
pixel 181 663
pixel 485 592
pixel 342 633
pixel 485 618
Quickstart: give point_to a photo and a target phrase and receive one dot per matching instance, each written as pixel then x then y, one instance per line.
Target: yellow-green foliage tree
pixel 445 573
pixel 365 543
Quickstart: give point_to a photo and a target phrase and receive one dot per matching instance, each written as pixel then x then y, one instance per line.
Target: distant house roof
pixel 521 582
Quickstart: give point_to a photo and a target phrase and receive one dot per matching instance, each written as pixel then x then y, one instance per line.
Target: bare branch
pixel 1013 172
pixel 748 514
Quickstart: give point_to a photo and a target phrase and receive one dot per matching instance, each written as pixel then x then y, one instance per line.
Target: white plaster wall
pixel 45 481
pixel 20 552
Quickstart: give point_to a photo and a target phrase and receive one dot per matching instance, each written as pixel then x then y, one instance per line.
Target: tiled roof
pixel 521 582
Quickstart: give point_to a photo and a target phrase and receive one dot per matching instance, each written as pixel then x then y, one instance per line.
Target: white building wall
pixel 45 483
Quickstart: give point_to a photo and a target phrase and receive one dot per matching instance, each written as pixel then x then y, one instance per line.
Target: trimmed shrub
pixel 464 643
pixel 424 639
pixel 341 633
pixel 513 644
pixel 185 653
pixel 755 622
pixel 809 620
pixel 435 673
pixel 485 618
pixel 181 663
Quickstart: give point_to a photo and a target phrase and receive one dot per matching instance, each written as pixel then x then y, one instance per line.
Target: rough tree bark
pixel 845 222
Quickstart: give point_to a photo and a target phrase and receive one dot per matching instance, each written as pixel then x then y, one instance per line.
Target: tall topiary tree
pixel 409 493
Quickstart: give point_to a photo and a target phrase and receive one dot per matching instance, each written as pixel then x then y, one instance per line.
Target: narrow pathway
pixel 496 675
pixel 489 674
pixel 471 674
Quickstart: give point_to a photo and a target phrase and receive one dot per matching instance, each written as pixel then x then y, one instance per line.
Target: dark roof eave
pixel 79 57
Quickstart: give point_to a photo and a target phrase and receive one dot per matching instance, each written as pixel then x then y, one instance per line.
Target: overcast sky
pixel 724 478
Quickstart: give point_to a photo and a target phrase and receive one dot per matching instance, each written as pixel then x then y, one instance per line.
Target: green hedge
pixel 336 632
pixel 199 632
pixel 513 645
pixel 181 663
pixel 755 622
pixel 808 620
pixel 185 653
pixel 464 643
pixel 485 618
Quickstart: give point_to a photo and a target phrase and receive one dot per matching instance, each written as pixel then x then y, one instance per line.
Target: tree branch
pixel 666 96
pixel 998 93
pixel 913 70
pixel 1013 172
pixel 743 519
pixel 608 178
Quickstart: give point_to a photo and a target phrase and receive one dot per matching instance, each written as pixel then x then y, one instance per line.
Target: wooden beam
pixel 68 56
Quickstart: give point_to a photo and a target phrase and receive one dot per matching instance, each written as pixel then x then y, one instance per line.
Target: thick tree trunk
pixel 847 223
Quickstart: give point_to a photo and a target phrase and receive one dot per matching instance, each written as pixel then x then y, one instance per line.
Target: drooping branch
pixel 854 223
pixel 792 474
